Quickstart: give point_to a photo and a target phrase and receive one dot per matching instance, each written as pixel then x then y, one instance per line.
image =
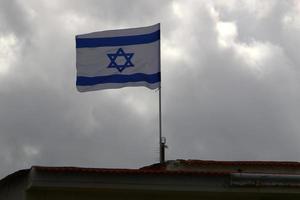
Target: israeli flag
pixel 118 58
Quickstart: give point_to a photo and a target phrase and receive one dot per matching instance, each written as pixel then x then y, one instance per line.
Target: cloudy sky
pixel 230 84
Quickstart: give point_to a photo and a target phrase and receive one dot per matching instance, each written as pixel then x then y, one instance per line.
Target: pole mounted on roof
pixel 162 140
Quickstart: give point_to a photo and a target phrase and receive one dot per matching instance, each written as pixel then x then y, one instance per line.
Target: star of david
pixel 120 64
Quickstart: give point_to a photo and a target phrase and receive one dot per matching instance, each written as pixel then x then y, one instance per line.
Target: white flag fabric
pixel 118 58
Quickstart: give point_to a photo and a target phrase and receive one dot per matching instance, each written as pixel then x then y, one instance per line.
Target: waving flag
pixel 118 58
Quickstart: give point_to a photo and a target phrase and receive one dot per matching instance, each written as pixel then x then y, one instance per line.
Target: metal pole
pixel 161 144
pixel 162 141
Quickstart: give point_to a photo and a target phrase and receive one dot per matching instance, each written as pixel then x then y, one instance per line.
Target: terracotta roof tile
pixel 162 168
pixel 241 163
pixel 125 171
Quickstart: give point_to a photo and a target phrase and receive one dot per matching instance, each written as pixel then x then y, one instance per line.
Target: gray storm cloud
pixel 230 78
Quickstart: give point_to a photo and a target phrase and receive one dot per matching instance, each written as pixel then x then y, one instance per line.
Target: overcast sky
pixel 230 84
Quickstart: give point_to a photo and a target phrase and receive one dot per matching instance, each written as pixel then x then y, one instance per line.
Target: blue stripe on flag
pixel 117 41
pixel 118 78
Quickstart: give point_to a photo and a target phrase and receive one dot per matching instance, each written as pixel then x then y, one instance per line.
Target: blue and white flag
pixel 118 58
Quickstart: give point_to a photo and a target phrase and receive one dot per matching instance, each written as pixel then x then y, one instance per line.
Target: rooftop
pixel 185 177
pixel 184 167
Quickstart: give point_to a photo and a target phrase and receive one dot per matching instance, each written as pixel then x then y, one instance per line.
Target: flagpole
pixel 162 140
pixel 161 144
